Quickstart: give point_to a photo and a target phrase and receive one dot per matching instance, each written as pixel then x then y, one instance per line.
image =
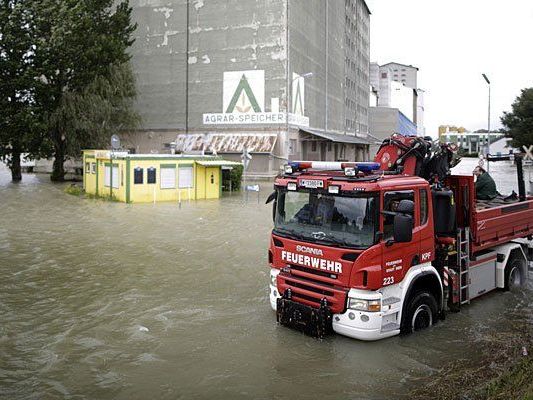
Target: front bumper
pixel 351 324
pixel 274 296
pixel 355 324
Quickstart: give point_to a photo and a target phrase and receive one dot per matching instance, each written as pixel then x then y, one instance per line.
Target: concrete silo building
pixel 286 79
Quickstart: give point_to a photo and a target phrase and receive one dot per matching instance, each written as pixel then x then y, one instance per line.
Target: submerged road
pixel 113 301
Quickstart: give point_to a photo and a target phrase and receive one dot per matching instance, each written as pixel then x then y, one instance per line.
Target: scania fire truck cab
pixel 370 253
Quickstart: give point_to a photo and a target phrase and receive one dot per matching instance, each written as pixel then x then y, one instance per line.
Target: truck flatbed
pixel 491 223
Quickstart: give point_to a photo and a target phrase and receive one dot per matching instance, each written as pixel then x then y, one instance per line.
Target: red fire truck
pixel 370 250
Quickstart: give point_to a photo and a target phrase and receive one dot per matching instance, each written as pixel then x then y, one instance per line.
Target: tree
pixel 18 123
pixel 518 123
pixel 93 114
pixel 78 45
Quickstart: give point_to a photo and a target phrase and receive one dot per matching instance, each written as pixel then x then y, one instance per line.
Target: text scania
pixel 308 261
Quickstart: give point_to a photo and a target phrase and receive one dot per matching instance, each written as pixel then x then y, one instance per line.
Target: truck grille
pixel 308 288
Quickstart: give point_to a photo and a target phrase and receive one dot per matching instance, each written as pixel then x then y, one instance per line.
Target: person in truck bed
pixel 485 186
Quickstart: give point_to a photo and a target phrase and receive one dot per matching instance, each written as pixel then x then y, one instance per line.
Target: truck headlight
pixel 364 305
pixel 273 276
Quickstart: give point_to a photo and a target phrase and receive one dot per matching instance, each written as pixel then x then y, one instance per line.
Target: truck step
pixel 390 300
pixel 390 327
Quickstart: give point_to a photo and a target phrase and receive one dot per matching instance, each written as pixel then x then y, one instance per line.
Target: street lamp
pixel 488 122
pixel 289 102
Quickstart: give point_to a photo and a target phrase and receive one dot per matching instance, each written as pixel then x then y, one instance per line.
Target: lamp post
pixel 289 102
pixel 488 122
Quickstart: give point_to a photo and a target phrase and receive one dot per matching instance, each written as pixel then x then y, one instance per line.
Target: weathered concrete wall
pixel 242 35
pixel 224 35
pixel 158 61
pixel 383 123
pixel 233 35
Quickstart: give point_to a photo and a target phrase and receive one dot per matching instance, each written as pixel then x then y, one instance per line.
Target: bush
pixel 76 190
pixel 235 176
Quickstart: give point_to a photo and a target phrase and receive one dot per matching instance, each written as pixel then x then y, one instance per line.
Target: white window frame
pixel 184 185
pixel 116 176
pixel 167 177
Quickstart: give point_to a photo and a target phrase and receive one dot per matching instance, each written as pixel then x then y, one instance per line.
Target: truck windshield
pixel 340 220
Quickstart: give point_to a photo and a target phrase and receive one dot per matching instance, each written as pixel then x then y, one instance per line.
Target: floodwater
pixel 106 300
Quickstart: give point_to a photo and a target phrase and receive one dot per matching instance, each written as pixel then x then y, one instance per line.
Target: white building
pixel 395 86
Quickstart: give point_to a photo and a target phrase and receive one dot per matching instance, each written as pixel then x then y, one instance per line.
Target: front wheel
pixel 513 274
pixel 420 313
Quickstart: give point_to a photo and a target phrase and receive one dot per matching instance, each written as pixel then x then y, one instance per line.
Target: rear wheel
pixel 420 313
pixel 513 274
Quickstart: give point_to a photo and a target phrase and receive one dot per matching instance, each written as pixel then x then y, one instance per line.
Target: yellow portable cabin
pixel 143 178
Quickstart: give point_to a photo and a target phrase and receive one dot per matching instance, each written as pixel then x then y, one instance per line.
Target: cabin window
pixel 108 178
pixel 138 176
pixel 168 177
pixel 185 177
pixel 391 201
pixel 150 172
pixel 423 206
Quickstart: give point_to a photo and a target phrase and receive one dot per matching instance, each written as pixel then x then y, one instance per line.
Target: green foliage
pixel 100 109
pixel 76 190
pixel 515 383
pixel 19 131
pixel 79 45
pixel 65 83
pixel 236 177
pixel 519 122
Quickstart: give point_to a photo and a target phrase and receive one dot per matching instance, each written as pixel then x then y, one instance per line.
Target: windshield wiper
pixel 341 242
pixel 289 232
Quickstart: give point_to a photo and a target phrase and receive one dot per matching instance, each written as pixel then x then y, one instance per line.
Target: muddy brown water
pixel 113 301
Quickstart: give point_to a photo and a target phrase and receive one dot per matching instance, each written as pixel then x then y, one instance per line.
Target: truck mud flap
pixel 315 322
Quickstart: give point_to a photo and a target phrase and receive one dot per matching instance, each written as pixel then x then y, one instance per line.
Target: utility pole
pixel 488 123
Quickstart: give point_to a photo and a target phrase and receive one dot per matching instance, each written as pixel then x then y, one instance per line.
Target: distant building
pixel 405 74
pixel 471 142
pixel 394 87
pixel 443 129
pixel 385 121
pixel 286 79
pixel 147 178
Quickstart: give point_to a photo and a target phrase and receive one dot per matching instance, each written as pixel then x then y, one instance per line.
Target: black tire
pixel 420 312
pixel 513 274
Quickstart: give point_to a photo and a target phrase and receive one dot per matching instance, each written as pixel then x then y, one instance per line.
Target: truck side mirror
pixel 273 197
pixel 403 222
pixel 403 228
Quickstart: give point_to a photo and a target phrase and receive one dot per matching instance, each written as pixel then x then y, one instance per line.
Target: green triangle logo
pixel 298 100
pixel 238 101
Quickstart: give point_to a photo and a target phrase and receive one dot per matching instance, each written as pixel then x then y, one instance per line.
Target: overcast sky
pixel 453 42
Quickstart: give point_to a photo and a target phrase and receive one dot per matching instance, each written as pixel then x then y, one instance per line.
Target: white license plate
pixel 312 183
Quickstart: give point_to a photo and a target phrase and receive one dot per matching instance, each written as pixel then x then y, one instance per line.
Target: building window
pixel 150 172
pixel 108 177
pixel 185 177
pixel 329 146
pixel 313 145
pixel 87 168
pixel 138 176
pixel 292 146
pixel 384 75
pixel 168 177
pixel 93 168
